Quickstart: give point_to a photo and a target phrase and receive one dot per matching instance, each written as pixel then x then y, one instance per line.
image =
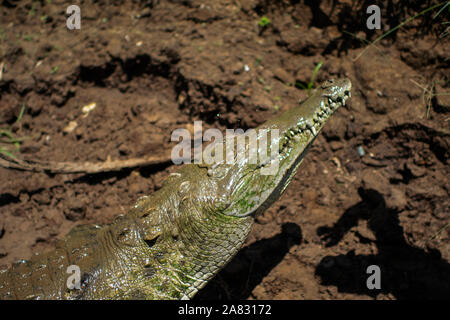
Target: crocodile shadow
pixel 247 269
pixel 407 272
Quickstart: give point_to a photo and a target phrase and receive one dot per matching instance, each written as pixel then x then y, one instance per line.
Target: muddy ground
pixel 374 188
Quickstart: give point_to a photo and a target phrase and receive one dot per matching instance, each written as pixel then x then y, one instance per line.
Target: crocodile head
pixel 245 188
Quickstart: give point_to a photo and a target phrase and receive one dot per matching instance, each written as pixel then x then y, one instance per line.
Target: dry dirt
pixel 154 66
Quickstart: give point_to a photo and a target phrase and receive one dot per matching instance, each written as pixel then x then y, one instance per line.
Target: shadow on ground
pixel 407 272
pixel 238 279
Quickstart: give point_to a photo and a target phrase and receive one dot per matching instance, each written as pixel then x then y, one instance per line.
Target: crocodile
pixel 171 243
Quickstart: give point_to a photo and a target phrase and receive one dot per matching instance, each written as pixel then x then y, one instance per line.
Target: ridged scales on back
pixel 163 248
pixel 170 244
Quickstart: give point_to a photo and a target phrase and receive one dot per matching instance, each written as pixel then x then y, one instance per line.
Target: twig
pixel 363 40
pixel 80 167
pixel 439 231
pixel 427 95
pixel 1 70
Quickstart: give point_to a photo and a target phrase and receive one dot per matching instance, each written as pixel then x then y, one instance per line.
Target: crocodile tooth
pixel 316 117
pixel 322 105
pixel 313 130
pixel 302 126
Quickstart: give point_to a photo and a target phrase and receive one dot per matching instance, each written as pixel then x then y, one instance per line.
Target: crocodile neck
pixel 195 240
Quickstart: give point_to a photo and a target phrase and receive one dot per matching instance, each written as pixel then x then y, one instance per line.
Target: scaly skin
pixel 170 244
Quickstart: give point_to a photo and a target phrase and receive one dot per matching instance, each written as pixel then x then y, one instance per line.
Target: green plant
pixel 447 4
pixel 310 84
pixel 21 113
pixel 7 137
pixel 447 30
pixel 263 22
pixel 384 35
pixel 5 151
pixel 54 69
pixel 32 11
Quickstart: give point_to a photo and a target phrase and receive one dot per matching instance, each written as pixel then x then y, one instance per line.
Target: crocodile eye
pixel 123 234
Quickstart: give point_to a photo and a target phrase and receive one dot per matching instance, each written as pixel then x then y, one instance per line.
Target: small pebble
pixel 361 151
pixel 88 108
pixel 70 127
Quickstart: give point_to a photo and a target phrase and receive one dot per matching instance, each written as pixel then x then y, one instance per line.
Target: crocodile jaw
pixel 248 192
